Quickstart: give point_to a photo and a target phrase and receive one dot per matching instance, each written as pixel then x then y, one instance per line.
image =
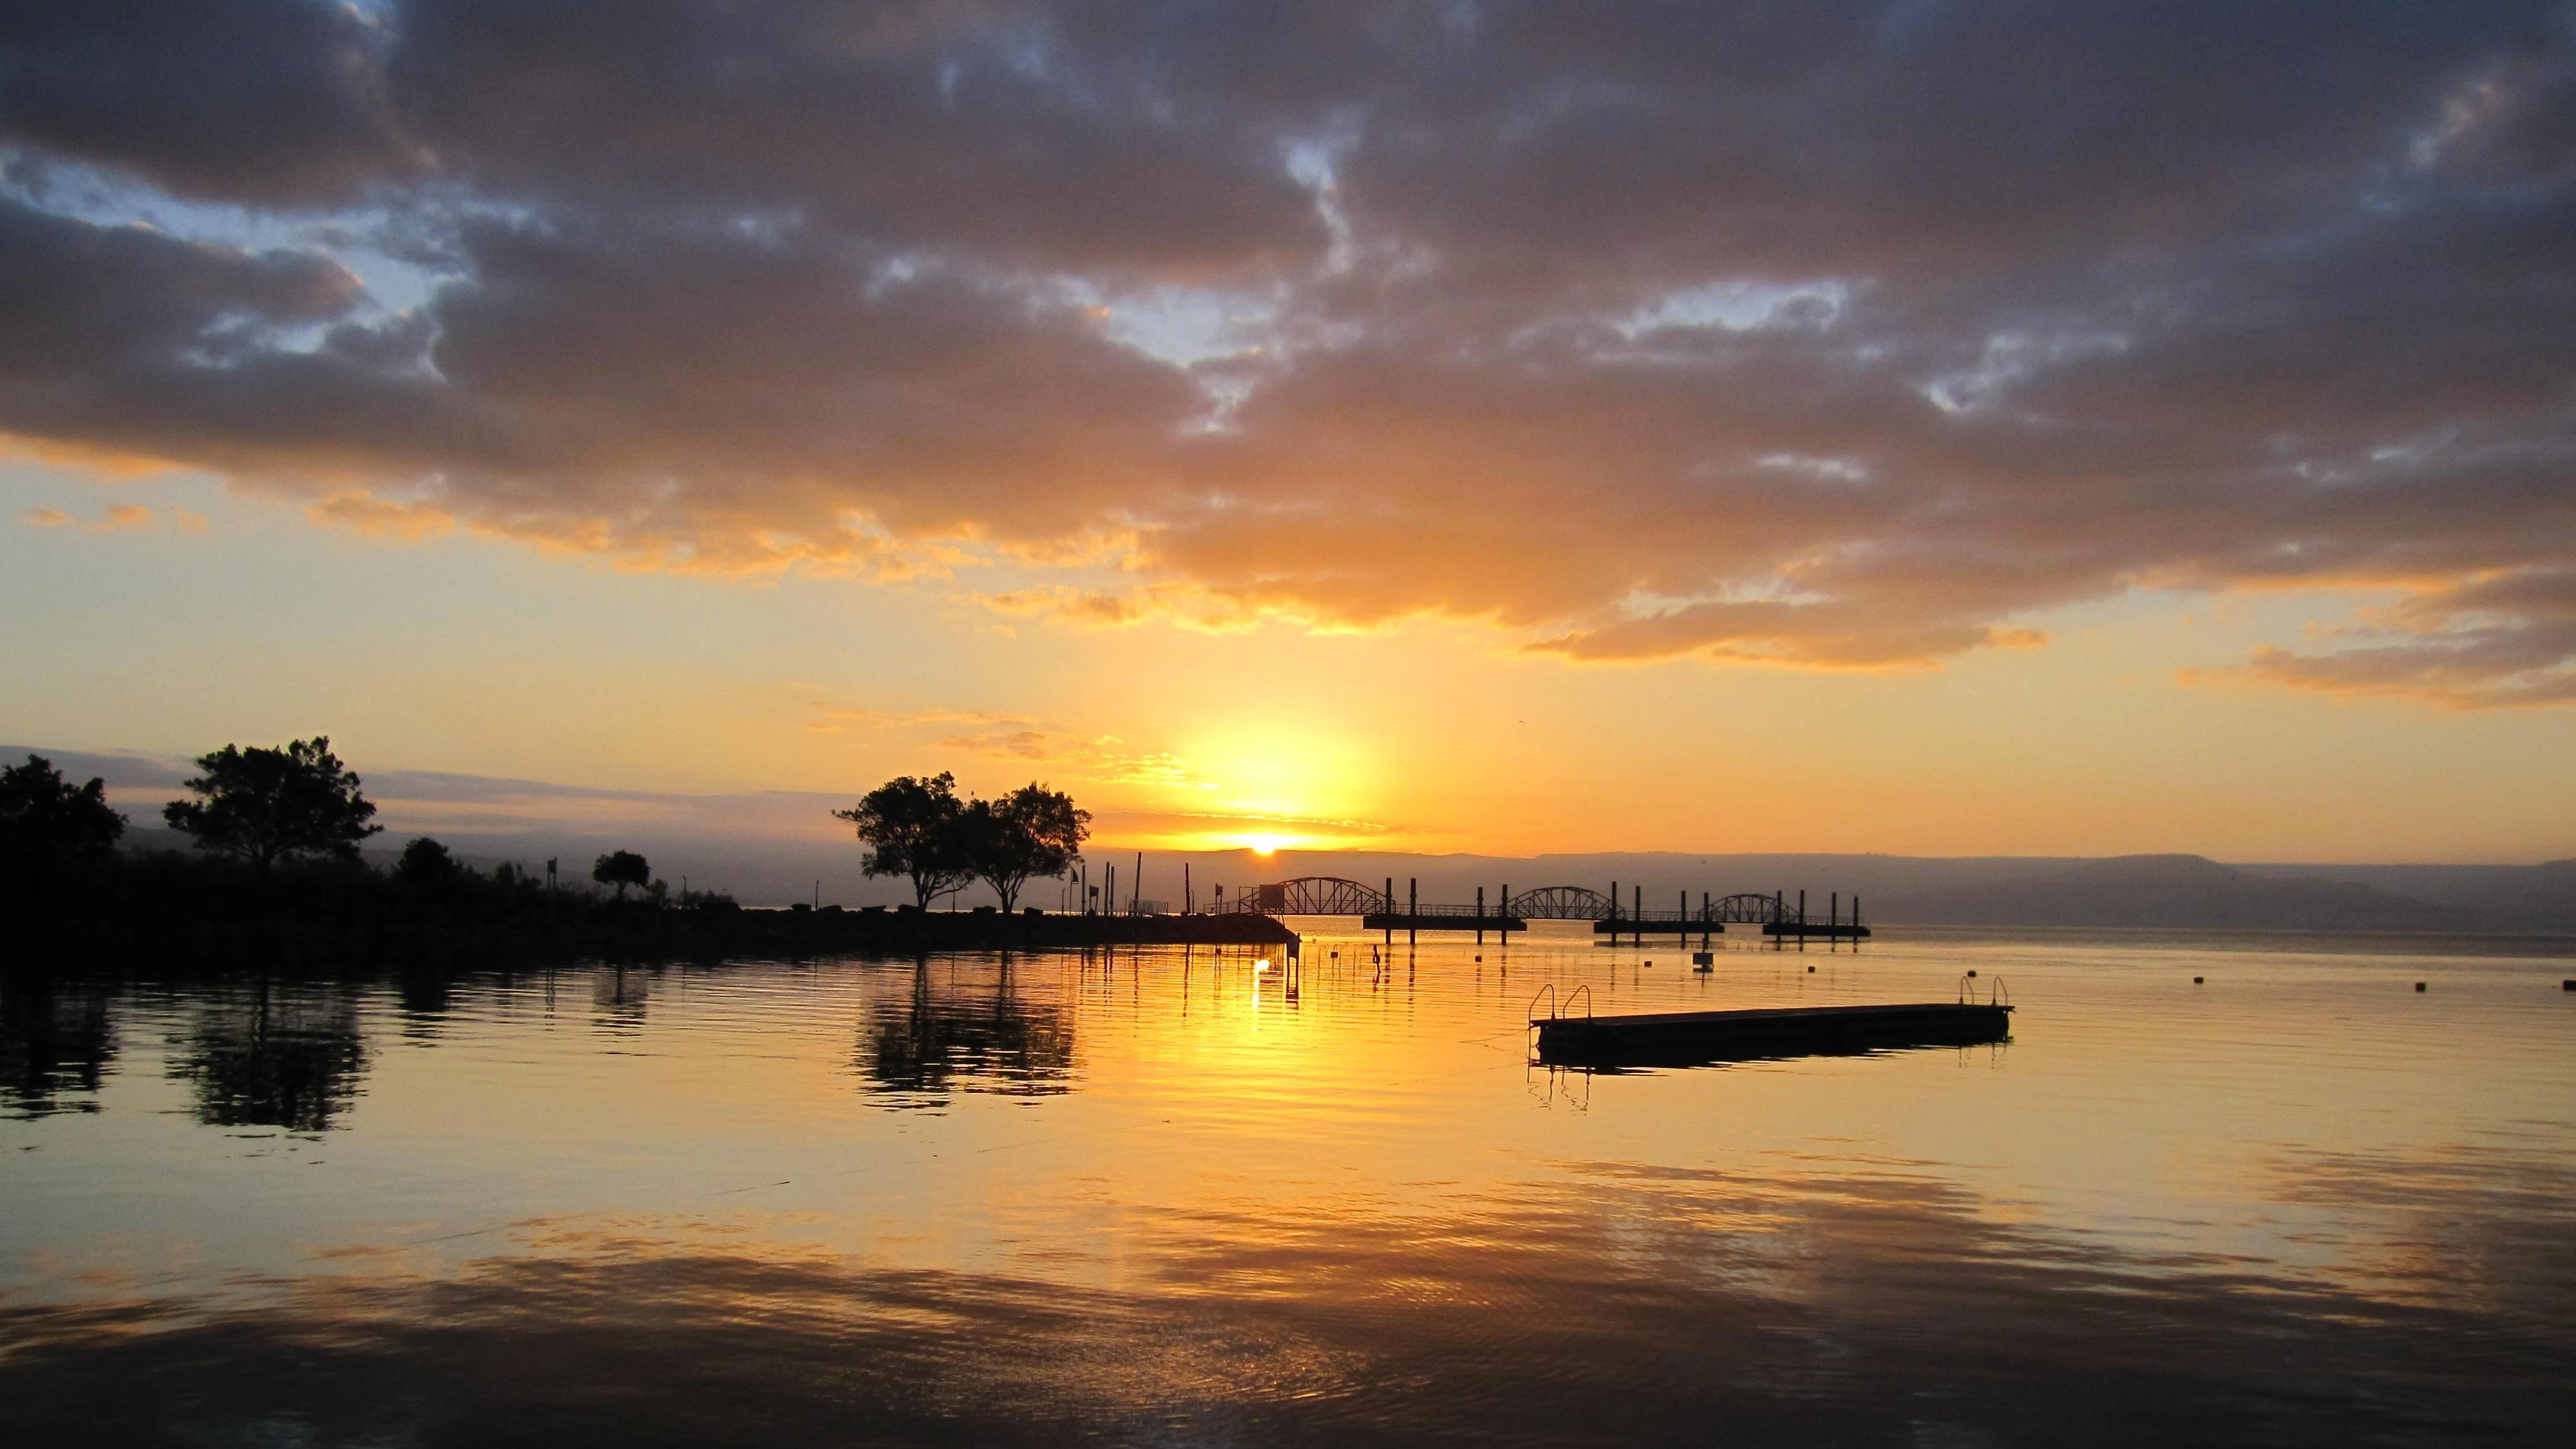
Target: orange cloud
pixel 365 513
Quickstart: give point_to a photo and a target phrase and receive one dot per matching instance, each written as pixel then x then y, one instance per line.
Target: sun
pixel 1265 844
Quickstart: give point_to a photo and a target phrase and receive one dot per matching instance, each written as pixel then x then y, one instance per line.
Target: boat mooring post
pixel 1480 915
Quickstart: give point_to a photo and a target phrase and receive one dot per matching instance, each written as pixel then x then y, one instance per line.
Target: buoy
pixel 1972 972
pixel 1811 970
pixel 2567 985
pixel 2195 981
pixel 1480 958
pixel 2419 985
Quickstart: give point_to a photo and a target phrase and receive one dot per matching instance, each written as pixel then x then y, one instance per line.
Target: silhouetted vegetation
pixel 913 827
pixel 917 827
pixel 265 806
pixel 425 862
pixel 1031 832
pixel 278 882
pixel 622 868
pixel 47 822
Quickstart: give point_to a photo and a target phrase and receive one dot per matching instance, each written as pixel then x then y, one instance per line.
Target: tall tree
pixel 622 868
pixel 46 820
pixel 426 862
pixel 270 805
pixel 915 827
pixel 1031 832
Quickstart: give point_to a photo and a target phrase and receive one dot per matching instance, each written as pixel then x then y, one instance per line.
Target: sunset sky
pixel 1937 428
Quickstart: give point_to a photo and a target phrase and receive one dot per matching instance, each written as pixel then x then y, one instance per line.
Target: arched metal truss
pixel 1579 903
pixel 1312 895
pixel 1746 909
pixel 1560 903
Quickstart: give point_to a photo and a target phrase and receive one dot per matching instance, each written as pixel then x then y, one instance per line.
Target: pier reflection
pixel 983 1036
pixel 276 1054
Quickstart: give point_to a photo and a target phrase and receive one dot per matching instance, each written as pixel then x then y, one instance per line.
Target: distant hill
pixel 2173 891
pixel 2514 897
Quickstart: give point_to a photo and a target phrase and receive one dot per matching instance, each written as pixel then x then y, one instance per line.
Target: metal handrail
pixel 1582 992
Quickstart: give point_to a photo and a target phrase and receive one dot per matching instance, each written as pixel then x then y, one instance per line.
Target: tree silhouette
pixel 1032 831
pixel 270 805
pixel 915 827
pixel 46 820
pixel 426 862
pixel 621 868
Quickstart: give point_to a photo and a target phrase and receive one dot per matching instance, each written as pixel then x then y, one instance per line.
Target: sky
pixel 1925 426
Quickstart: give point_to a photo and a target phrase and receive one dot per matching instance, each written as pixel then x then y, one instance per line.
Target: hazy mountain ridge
pixel 2189 891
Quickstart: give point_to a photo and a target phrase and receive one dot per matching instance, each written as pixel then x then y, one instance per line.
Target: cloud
pixel 366 513
pixel 1849 334
pixel 1104 758
pixel 264 101
pixel 2494 643
pixel 47 517
pixel 122 516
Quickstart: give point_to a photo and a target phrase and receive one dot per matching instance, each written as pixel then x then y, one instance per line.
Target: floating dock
pixel 1662 926
pixel 1688 1037
pixel 1430 921
pixel 1816 930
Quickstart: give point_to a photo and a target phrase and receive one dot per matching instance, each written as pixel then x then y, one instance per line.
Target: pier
pixel 1379 910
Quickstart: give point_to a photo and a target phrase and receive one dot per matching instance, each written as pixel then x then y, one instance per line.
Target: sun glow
pixel 1264 844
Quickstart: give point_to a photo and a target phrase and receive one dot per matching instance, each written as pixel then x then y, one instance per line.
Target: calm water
pixel 1159 1198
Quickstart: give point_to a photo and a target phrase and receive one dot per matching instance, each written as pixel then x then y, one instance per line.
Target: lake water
pixel 1158 1197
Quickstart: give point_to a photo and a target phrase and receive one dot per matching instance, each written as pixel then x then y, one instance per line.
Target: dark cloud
pixel 1841 333
pixel 276 101
pixel 934 125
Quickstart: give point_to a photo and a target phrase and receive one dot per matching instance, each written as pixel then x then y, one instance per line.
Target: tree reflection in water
pixel 618 995
pixel 55 1045
pixel 931 1044
pixel 281 1054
